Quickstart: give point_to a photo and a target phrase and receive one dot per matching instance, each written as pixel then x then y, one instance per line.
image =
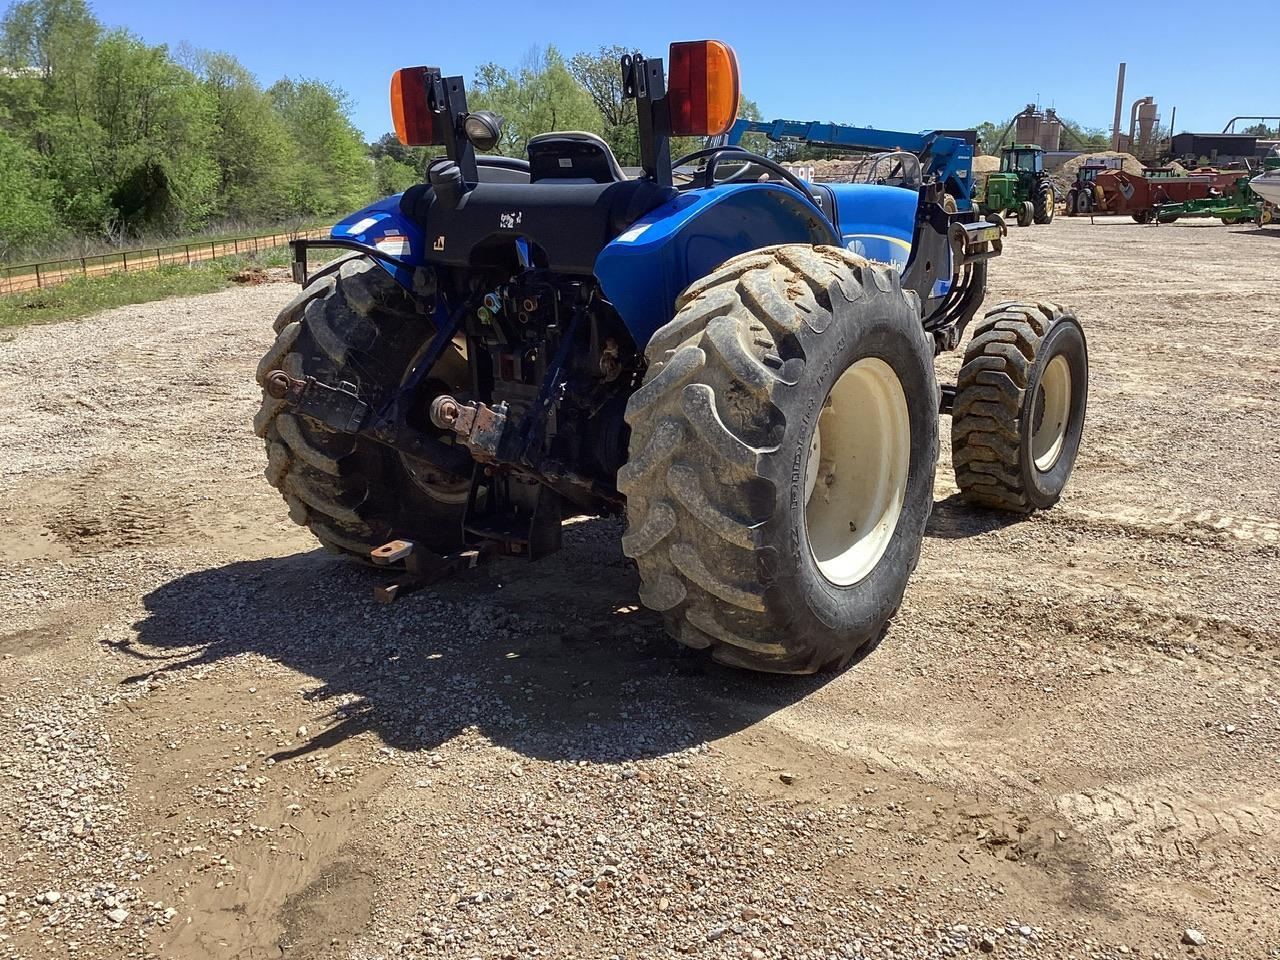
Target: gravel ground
pixel 214 744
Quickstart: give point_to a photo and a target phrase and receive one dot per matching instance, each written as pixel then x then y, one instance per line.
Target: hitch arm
pixel 340 409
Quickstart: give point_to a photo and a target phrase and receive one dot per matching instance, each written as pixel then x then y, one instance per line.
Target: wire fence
pixel 36 276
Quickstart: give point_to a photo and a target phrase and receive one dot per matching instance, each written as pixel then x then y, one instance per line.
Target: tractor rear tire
pixel 1020 407
pixel 728 514
pixel 1044 206
pixel 1084 202
pixel 354 323
pixel 1026 214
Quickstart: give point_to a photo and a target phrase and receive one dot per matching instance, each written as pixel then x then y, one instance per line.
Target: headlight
pixel 483 128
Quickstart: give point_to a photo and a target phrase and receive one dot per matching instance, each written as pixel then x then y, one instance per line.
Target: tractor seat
pixel 572 156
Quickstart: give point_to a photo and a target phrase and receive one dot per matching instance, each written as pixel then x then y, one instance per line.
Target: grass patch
pixel 82 296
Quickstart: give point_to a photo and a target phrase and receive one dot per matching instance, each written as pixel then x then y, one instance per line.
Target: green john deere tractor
pixel 1021 187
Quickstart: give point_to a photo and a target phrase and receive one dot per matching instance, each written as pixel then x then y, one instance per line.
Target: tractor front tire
pixel 1026 214
pixel 354 323
pixel 1019 407
pixel 1072 200
pixel 783 447
pixel 1044 206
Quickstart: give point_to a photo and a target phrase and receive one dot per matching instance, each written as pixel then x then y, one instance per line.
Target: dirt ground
pixel 213 743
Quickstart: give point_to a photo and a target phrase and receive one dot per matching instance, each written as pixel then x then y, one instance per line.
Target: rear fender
pixel 645 268
pixel 383 226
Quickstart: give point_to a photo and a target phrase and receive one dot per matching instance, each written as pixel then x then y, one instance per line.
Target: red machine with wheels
pixel 1120 192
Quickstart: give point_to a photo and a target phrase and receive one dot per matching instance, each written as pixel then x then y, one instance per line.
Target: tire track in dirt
pixel 1165 823
pixel 1206 525
pixel 95 512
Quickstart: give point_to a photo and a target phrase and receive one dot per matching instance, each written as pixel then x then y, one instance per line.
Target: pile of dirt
pixel 251 276
pixel 834 169
pixel 983 167
pixel 1128 162
pixel 1065 176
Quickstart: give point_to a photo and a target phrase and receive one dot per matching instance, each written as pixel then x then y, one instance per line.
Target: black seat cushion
pixel 573 157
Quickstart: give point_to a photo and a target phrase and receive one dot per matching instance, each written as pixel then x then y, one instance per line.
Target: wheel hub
pixel 1051 412
pixel 856 474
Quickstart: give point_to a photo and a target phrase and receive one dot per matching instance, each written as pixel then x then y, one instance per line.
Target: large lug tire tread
pixel 352 322
pixel 1044 205
pixel 707 473
pixel 1001 363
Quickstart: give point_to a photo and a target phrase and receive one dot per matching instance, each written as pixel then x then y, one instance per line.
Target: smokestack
pixel 1115 124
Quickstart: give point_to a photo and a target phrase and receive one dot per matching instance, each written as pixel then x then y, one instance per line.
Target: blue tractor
pixel 739 361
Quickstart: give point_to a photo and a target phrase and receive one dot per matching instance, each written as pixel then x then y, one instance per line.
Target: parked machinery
pixel 1021 187
pixel 1082 197
pixel 516 341
pixel 1239 204
pixel 1138 195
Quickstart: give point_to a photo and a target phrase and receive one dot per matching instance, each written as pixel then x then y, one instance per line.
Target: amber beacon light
pixel 702 88
pixel 414 122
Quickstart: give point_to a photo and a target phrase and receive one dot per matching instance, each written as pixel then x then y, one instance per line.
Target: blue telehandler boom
pixel 947 156
pixel 737 361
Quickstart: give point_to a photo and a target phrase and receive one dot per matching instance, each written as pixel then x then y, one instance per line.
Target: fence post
pixel 158 262
pixel 39 284
pixel 188 246
pixel 236 245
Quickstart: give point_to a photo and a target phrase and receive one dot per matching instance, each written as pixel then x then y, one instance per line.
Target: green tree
pixel 417 158
pixel 541 96
pixel 155 126
pixel 1262 131
pixel 123 131
pixel 334 173
pixel 46 58
pixel 392 176
pixel 989 134
pixel 27 214
pixel 107 136
pixel 600 75
pixel 255 155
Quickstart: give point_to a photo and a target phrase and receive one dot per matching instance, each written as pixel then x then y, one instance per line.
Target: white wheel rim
pixel 1051 412
pixel 856 474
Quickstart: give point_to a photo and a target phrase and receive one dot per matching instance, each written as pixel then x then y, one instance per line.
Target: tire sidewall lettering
pixel 858 607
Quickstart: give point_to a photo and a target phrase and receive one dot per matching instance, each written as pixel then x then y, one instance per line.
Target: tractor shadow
pixel 1271 232
pixel 954 519
pixel 555 660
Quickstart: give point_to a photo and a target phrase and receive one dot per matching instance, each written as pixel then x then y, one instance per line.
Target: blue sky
pixel 870 64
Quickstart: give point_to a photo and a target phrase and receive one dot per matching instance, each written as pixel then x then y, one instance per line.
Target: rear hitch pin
pixel 423 568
